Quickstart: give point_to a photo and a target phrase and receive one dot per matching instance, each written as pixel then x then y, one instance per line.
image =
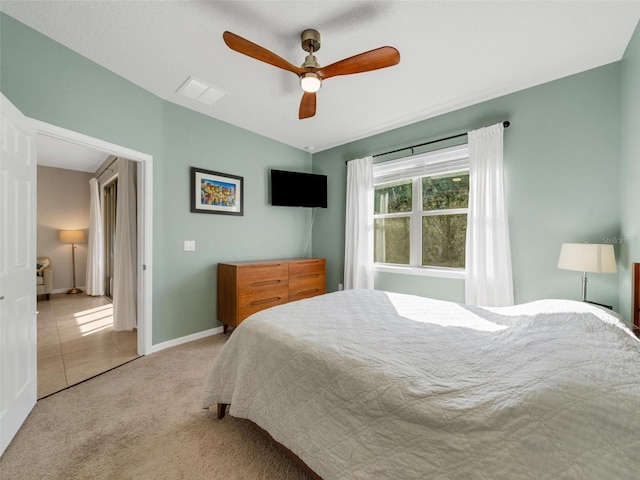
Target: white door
pixel 18 347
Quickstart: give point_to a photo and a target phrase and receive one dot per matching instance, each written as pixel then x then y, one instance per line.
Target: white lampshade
pixel 72 236
pixel 587 257
pixel 310 82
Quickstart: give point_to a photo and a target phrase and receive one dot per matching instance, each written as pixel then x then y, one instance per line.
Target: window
pixel 420 212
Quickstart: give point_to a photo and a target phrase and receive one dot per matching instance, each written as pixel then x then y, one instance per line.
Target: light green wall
pixel 51 83
pixel 187 281
pixel 562 174
pixel 630 171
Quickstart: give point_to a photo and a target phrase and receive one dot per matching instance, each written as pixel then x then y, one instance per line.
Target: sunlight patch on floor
pixel 94 320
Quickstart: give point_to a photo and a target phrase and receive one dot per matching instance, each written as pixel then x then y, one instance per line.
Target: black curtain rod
pixel 504 124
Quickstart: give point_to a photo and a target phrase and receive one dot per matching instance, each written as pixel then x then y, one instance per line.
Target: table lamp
pixel 587 257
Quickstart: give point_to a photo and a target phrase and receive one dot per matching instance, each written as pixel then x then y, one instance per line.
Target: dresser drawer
pixel 261 288
pixel 307 286
pixel 304 268
pixel 262 299
pixel 263 275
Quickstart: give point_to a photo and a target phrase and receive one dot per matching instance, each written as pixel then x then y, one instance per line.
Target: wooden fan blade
pixel 307 105
pixel 253 50
pixel 382 57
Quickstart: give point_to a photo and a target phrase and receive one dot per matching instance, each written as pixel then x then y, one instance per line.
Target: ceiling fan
pixel 311 73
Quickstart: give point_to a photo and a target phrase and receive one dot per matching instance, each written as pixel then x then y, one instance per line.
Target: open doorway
pixel 91 314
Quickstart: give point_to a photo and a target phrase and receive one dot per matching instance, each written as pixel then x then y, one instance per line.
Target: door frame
pixel 144 267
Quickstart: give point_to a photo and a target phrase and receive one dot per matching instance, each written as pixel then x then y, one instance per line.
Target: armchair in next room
pixel 44 277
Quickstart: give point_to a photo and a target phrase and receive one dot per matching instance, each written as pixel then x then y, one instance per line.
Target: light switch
pixel 189 245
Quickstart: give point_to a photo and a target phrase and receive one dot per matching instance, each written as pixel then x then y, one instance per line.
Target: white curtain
pixel 125 252
pixel 95 246
pixel 358 248
pixel 488 254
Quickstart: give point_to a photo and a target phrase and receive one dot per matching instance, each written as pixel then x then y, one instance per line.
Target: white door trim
pixel 145 224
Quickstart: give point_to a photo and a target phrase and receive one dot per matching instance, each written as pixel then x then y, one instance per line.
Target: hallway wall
pixel 63 204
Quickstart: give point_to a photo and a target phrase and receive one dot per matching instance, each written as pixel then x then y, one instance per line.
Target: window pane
pixel 391 240
pixel 444 240
pixel 393 198
pixel 445 191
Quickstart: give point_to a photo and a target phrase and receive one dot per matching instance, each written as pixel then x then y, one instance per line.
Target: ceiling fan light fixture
pixel 311 74
pixel 310 82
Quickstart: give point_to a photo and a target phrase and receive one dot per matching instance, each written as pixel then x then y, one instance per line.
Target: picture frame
pixel 216 192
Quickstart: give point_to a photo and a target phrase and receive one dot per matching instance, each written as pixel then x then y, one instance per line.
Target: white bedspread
pixel 373 385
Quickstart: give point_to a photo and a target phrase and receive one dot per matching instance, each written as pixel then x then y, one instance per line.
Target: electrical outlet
pixel 340 286
pixel 189 245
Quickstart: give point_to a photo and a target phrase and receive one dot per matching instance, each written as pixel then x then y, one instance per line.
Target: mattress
pixel 365 384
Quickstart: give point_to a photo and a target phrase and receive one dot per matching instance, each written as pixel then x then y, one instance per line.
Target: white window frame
pixel 415 167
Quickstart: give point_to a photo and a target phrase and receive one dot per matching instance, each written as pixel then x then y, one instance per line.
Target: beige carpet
pixel 143 421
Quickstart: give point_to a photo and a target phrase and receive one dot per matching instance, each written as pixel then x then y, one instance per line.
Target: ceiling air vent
pixel 201 91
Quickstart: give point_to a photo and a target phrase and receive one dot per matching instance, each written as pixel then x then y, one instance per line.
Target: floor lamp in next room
pixel 73 237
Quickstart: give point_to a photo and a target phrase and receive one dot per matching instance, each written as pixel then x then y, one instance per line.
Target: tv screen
pixel 296 189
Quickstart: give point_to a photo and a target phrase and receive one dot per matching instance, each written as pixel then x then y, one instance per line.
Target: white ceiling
pixel 453 54
pixel 53 152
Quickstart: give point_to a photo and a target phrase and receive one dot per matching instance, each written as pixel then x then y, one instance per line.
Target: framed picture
pixel 215 192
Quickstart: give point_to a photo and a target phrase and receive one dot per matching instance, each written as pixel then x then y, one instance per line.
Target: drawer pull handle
pixel 307 292
pixel 266 282
pixel 266 300
pixel 311 275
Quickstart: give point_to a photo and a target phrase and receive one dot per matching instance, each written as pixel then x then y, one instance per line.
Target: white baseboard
pixel 188 338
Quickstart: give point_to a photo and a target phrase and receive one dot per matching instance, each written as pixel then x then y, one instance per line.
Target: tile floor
pixel 76 341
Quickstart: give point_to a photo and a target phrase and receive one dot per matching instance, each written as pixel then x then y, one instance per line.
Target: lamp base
pixel 73 291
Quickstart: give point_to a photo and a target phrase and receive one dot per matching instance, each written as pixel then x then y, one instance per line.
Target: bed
pixel 365 384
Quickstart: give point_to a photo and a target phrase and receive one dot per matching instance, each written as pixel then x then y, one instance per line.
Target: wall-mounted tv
pixel 296 189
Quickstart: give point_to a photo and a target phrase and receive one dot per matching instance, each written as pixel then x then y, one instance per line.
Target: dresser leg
pixel 224 328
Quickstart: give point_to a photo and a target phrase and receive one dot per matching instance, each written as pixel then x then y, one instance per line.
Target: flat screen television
pixel 296 189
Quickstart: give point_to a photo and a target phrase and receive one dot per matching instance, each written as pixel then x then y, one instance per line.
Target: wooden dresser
pixel 245 288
